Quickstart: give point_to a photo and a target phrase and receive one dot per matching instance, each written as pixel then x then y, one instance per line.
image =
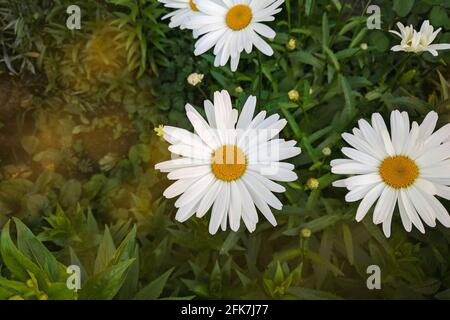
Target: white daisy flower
pixel 184 10
pixel 407 168
pixel 418 41
pixel 230 164
pixel 232 26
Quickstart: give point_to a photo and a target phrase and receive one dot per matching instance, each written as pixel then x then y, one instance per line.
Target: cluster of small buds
pixel 294 95
pixel 238 89
pixel 312 183
pixel 326 151
pixel 305 233
pixel 195 79
pixel 292 44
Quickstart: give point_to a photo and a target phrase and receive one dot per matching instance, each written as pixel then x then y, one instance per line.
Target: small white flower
pixel 407 168
pixel 230 164
pixel 232 26
pixel 195 78
pixel 184 10
pixel 418 41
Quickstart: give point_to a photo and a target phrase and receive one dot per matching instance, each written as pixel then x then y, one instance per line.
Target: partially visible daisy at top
pixel 229 164
pixel 418 41
pixel 232 26
pixel 408 167
pixel 184 10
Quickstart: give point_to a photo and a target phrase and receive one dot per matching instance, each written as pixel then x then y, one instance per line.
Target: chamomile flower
pixel 418 41
pixel 184 10
pixel 229 164
pixel 232 26
pixel 407 168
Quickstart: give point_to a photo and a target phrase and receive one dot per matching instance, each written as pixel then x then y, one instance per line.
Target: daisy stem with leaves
pixel 299 12
pixel 288 9
pixel 401 70
pixel 202 92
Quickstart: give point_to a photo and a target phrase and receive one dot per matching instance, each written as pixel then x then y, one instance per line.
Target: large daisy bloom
pixel 418 41
pixel 184 10
pixel 232 26
pixel 228 164
pixel 407 168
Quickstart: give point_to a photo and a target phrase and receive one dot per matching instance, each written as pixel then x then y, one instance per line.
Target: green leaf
pixel 443 295
pixel 403 7
pixel 312 294
pixel 328 265
pixel 30 246
pixel 379 40
pixel 70 193
pixel 444 86
pixel 292 123
pixel 350 104
pixel 325 31
pixel 407 77
pixel 30 144
pixel 126 249
pixel 333 58
pixel 106 284
pixel 105 252
pixel 308 58
pixel 130 285
pixel 323 265
pixel 18 263
pixel 348 241
pixel 309 5
pixel 59 291
pixel 154 289
pixel 438 17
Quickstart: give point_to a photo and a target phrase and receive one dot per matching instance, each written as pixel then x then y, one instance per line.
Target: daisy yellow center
pixel 228 163
pixel 239 17
pixel 399 171
pixel 193 6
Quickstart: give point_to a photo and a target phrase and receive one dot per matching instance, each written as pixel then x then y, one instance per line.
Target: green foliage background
pixel 77 113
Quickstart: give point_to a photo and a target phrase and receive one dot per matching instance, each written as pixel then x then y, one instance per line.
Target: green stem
pixel 299 12
pixel 288 9
pixel 260 76
pixel 203 93
pixel 401 69
pixel 303 245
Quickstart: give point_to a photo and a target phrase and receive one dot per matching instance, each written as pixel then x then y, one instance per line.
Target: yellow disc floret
pixel 399 171
pixel 239 17
pixel 228 163
pixel 193 6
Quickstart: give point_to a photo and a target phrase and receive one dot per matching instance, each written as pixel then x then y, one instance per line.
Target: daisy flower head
pixel 232 26
pixel 228 164
pixel 183 11
pixel 418 41
pixel 407 168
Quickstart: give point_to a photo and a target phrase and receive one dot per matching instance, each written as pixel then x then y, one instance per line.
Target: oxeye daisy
pixel 418 41
pixel 184 10
pixel 228 164
pixel 232 26
pixel 407 168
